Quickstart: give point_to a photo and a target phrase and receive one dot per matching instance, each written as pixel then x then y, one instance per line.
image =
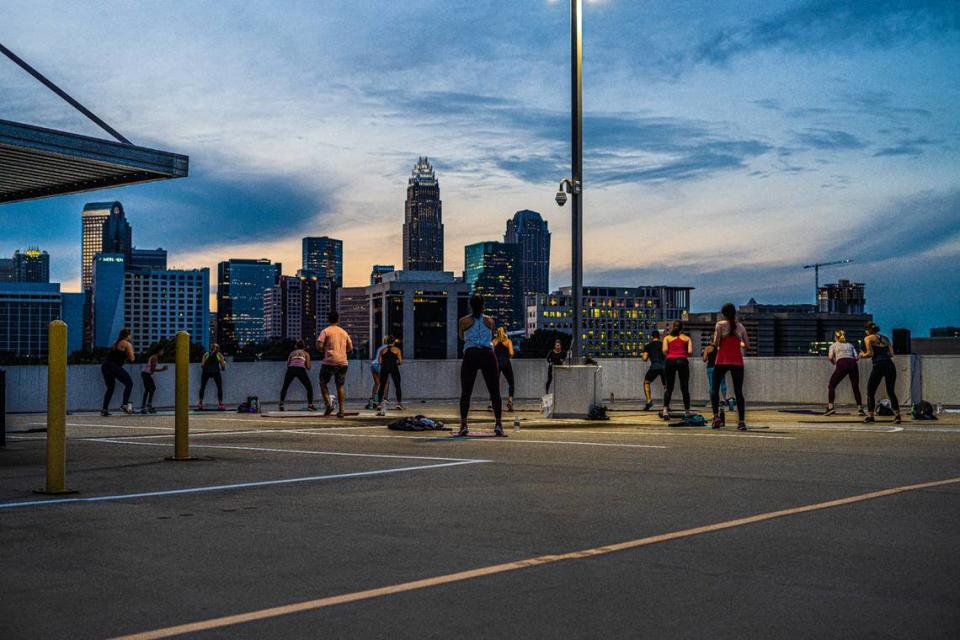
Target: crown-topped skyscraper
pixel 423 220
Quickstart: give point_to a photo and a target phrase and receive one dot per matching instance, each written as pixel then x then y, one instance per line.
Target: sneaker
pixel 199 406
pixel 666 415
pixel 328 409
pixel 105 414
pixel 340 414
pixel 369 405
pixel 498 431
pixel 220 407
pixel 869 419
pixel 717 421
pixel 897 419
pixel 647 406
pixel 861 412
pixel 399 407
pixel 741 426
pixel 150 409
pixel 280 407
pixel 311 407
pixel 381 412
pixel 127 408
pixel 829 412
pixel 464 431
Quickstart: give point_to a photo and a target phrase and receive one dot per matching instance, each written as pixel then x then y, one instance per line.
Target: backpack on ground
pixel 884 408
pixel 923 410
pixel 598 412
pixel 417 423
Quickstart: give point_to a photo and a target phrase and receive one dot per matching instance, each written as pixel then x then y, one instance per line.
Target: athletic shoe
pixel 861 412
pixel 150 409
pixel 498 431
pixel 665 415
pixel 105 414
pixel 464 431
pixel 399 407
pixel 127 409
pixel 369 405
pixel 741 426
pixel 381 411
pixel 280 407
pixel 717 421
pixel 220 407
pixel 340 414
pixel 199 406
pixel 897 419
pixel 311 407
pixel 829 412
pixel 647 406
pixel 328 409
pixel 869 419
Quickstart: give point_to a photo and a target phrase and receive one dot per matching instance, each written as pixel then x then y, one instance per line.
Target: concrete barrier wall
pixel 800 380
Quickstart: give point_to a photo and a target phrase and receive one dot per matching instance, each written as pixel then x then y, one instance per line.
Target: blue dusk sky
pixel 727 144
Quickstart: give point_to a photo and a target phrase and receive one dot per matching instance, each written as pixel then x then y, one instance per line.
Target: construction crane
pixel 816 271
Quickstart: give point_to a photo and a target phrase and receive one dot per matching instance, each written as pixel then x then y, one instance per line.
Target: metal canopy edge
pixel 36 162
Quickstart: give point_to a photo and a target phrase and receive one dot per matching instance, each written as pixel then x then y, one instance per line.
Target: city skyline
pixel 766 135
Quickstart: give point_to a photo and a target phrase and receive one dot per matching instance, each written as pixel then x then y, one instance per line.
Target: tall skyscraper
pixel 530 231
pixel 94 215
pixel 353 303
pixel 290 308
pixel 117 233
pixel 423 220
pixel 240 287
pixel 376 275
pixel 31 265
pixel 492 270
pixel 324 257
pixel 107 299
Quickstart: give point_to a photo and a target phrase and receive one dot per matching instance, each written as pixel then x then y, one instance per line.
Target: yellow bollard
pixel 181 439
pixel 56 409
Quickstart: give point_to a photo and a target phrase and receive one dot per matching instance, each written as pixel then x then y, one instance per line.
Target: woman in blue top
pixel 476 331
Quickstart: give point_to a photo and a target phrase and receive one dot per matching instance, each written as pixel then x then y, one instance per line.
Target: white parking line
pixel 422 434
pixel 647 432
pixel 226 487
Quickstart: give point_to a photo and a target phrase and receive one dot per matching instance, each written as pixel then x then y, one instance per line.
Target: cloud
pixel 829 140
pixel 817 25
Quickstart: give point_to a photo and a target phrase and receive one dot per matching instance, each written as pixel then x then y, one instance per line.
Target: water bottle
pixel 939 408
pixel 516 423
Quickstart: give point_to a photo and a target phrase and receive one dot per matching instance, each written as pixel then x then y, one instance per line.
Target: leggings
pixel 297 373
pixel 549 377
pixel 507 370
pixel 482 360
pixel 215 376
pixel 719 373
pixel 386 374
pixel 111 373
pixel 845 367
pixel 676 366
pixel 886 371
pixel 149 387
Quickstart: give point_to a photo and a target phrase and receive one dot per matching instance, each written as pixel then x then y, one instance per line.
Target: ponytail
pixel 729 313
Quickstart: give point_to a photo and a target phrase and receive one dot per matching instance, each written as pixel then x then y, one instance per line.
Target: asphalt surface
pixel 346 506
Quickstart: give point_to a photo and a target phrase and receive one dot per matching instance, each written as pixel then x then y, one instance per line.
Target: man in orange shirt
pixel 334 344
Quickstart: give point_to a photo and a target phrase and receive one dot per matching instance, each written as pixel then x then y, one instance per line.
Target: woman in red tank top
pixel 677 347
pixel 730 339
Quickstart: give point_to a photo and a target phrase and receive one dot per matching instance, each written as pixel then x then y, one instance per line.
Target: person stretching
pixel 334 343
pixel 677 347
pixel 878 348
pixel 843 355
pixel 112 370
pixel 730 339
pixel 211 365
pixel 503 348
pixel 554 358
pixel 390 360
pixel 298 363
pixel 653 353
pixel 476 331
pixel 149 386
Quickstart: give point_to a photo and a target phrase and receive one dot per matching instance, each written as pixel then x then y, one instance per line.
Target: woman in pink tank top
pixel 730 339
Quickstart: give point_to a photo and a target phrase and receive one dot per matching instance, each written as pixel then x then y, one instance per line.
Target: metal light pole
pixel 576 104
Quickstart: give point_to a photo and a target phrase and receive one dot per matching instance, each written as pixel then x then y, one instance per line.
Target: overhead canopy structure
pixel 37 162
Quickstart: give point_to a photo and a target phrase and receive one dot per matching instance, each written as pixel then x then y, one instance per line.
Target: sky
pixel 726 144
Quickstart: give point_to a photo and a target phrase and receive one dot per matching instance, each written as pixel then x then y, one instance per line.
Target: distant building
pixel 8 272
pixel 842 297
pixel 530 231
pixel 107 301
pixel 117 233
pixel 94 216
pixel 423 220
pixel 616 321
pixel 27 309
pixel 353 304
pixel 290 309
pixel 147 260
pixel 492 270
pixel 240 287
pixel 936 346
pixel 421 309
pixel 31 265
pixel 324 257
pixel 157 304
pixel 945 332
pixel 376 275
pixel 782 329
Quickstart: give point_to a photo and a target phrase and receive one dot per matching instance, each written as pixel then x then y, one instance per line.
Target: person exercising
pixel 211 365
pixel 476 330
pixel 298 363
pixel 877 347
pixel 653 353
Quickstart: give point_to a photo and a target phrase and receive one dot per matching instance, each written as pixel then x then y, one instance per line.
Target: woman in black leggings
pixel 476 331
pixel 677 347
pixel 390 360
pixel 298 363
pixel 503 349
pixel 878 348
pixel 112 369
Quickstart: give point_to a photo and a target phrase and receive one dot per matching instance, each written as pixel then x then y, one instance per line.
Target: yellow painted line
pixel 312 605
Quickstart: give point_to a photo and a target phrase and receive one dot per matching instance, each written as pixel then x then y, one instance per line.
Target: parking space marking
pixel 236 485
pixel 629 431
pixel 461 576
pixel 422 434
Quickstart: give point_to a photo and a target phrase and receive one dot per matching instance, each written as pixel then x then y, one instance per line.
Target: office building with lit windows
pixel 616 321
pixel 530 232
pixel 421 309
pixel 240 287
pixel 93 217
pixel 290 308
pixel 323 256
pixel 423 220
pixel 27 309
pixel 842 297
pixel 157 304
pixel 376 274
pixel 353 304
pixel 492 269
pixel 32 265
